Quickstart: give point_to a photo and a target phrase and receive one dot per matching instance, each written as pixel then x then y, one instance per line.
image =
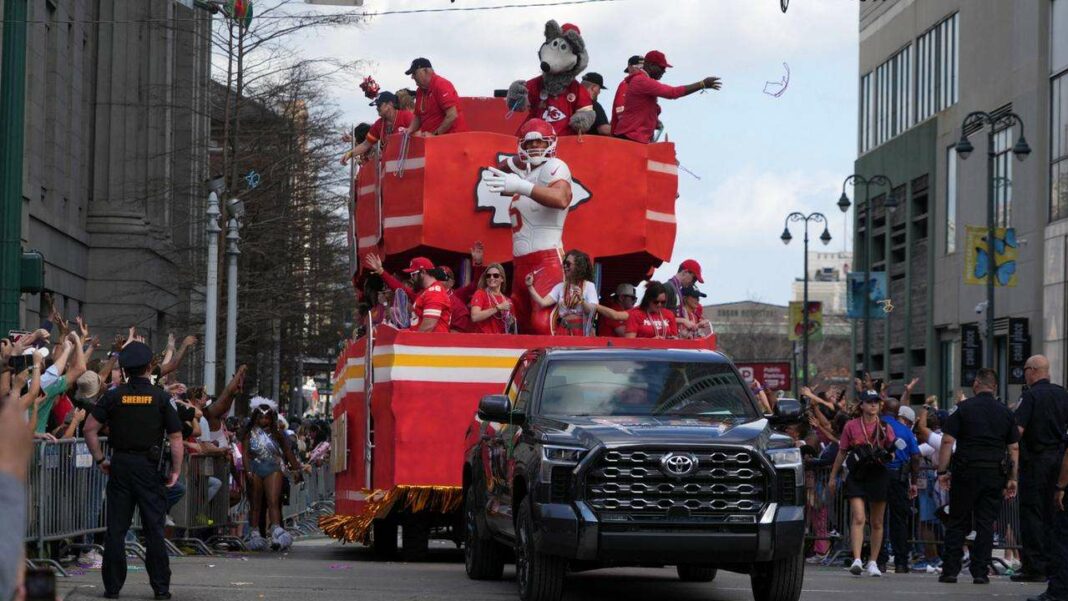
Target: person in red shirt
pixel 614 313
pixel 634 64
pixel 432 311
pixel 691 320
pixel 640 108
pixel 650 319
pixel 491 309
pixel 461 315
pixel 391 120
pixel 437 105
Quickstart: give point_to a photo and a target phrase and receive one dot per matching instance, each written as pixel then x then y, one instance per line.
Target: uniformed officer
pixel 1057 590
pixel 1043 417
pixel 984 431
pixel 137 415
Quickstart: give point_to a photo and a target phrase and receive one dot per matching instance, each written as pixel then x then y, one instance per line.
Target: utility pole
pixel 211 292
pixel 12 113
pixel 231 296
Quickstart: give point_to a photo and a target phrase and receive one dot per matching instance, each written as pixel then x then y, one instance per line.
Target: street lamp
pixel 1020 150
pixel 825 237
pixel 890 203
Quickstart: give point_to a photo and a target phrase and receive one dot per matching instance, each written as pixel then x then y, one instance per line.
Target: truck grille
pixel 634 482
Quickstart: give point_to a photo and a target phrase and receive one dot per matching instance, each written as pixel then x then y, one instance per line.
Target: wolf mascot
pixel 556 96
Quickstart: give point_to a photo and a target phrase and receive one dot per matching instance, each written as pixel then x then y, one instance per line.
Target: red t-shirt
pixel 433 302
pixel 640 108
pixel 652 324
pixel 494 324
pixel 617 103
pixel 856 432
pixel 460 319
pixel 431 104
pixel 379 131
pixel 557 111
pixel 61 408
pixel 606 326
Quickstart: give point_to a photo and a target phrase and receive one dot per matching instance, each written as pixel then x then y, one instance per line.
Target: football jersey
pixel 536 227
pixel 557 110
pixel 434 302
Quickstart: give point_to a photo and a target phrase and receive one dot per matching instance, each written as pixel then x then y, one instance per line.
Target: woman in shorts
pixel 266 448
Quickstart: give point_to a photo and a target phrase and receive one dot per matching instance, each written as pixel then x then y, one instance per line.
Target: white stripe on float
pixel 365 190
pixel 657 216
pixel 409 165
pixel 367 241
pixel 476 375
pixel 403 221
pixel 663 167
pixel 408 349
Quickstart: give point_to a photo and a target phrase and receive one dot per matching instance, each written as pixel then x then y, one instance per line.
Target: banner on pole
pixel 815 321
pixel 977 263
pixel 875 292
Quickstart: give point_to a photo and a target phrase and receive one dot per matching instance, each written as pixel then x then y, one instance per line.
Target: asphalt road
pixel 318 569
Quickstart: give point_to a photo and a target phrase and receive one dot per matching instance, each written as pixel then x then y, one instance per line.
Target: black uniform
pixel 137 415
pixel 983 428
pixel 1043 414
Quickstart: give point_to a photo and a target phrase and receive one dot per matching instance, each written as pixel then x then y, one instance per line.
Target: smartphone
pixel 20 362
pixel 40 584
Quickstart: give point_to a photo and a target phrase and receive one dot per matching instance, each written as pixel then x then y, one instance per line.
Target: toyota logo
pixel 678 464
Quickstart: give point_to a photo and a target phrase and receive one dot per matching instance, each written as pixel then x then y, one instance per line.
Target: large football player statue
pixel 540 186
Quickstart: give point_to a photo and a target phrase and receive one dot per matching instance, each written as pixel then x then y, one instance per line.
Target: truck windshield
pixel 651 388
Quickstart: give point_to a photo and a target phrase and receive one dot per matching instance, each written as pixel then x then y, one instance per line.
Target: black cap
pixel 693 291
pixel 634 60
pixel 419 63
pixel 386 97
pixel 594 78
pixel 134 355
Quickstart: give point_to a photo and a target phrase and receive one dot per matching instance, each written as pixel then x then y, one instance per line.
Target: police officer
pixel 1042 416
pixel 137 414
pixel 984 430
pixel 1057 590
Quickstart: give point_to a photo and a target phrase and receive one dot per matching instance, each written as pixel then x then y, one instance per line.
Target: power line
pixel 339 16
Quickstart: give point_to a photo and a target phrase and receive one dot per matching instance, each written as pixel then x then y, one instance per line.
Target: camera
pixel 40 584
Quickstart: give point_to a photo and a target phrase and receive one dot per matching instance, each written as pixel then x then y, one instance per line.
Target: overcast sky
pixel 759 157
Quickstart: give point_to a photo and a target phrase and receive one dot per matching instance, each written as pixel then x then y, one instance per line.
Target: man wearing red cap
pixel 640 108
pixel 689 272
pixel 432 311
pixel 437 105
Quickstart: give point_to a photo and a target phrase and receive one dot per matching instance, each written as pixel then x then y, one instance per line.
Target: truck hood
pixel 625 430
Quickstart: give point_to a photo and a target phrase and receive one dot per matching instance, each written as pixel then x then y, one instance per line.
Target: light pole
pixel 891 203
pixel 211 290
pixel 1020 150
pixel 231 296
pixel 825 237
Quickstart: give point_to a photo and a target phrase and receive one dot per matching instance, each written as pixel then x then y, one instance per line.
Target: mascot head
pixel 564 51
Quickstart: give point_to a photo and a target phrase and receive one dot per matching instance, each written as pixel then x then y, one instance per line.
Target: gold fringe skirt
pixel 357 528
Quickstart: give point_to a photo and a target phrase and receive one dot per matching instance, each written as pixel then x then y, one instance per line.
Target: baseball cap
pixel 693 267
pixel 419 63
pixel 869 395
pixel 634 60
pixel 906 412
pixel 657 58
pixel 693 291
pixel 135 354
pixel 594 78
pixel 625 289
pixel 419 264
pixel 385 97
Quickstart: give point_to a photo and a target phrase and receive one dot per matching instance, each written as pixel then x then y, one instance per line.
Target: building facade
pixel 826 280
pixel 115 156
pixel 924 65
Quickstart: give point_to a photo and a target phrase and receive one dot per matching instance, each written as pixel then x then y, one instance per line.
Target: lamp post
pixel 236 208
pixel 891 204
pixel 825 237
pixel 211 289
pixel 1020 150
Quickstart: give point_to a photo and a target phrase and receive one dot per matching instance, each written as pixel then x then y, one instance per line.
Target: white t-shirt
pixel 572 305
pixel 930 449
pixel 536 227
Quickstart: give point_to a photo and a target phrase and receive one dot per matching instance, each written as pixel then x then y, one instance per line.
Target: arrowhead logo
pixel 499 205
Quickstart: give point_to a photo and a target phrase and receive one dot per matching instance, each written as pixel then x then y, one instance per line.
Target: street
pixel 326 570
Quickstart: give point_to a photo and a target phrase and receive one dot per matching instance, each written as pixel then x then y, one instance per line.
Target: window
pixel 866 113
pixel 937 61
pixel 951 199
pixel 1058 118
pixel 948 358
pixel 1058 39
pixel 886 100
pixel 1003 142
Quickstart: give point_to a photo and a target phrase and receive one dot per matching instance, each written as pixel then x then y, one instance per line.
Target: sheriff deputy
pixel 138 416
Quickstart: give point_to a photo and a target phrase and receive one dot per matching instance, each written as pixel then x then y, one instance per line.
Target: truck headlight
pixel 558 454
pixel 785 457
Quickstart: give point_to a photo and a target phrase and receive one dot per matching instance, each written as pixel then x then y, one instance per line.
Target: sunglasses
pixel 493 275
pixel 568 264
pixel 658 302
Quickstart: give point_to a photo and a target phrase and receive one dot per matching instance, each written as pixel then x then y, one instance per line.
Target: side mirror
pixel 495 408
pixel 787 411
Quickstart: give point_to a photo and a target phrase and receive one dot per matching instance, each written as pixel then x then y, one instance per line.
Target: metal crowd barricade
pixel 206 502
pixel 309 499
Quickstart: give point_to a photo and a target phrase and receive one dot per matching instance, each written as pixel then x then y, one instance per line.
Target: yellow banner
pixel 815 321
pixel 977 265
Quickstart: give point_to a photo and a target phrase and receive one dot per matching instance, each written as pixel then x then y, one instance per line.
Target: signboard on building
pixel 815 321
pixel 773 374
pixel 875 292
pixel 971 353
pixel 977 263
pixel 1019 348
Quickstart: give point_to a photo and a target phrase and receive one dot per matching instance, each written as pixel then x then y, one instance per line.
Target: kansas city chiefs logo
pixel 488 201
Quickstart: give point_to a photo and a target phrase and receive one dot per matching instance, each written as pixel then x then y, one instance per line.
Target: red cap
pixel 448 272
pixel 566 27
pixel 691 265
pixel 419 264
pixel 657 58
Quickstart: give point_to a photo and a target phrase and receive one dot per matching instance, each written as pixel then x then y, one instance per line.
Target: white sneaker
pixel 257 542
pixel 856 568
pixel 167 521
pixel 873 570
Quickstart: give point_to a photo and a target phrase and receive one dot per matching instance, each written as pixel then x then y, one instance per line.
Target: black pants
pixel 1038 476
pixel 975 497
pixel 1058 557
pixel 898 513
pixel 134 482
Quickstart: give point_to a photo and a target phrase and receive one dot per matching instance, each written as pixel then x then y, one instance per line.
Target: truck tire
pixel 540 576
pixel 415 539
pixel 384 539
pixel 482 555
pixel 778 580
pixel 689 572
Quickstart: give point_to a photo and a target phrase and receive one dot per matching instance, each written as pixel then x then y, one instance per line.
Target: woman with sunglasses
pixel 650 319
pixel 575 298
pixel 866 442
pixel 267 447
pixel 491 309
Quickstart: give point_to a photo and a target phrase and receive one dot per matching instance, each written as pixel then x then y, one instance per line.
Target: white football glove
pixel 500 182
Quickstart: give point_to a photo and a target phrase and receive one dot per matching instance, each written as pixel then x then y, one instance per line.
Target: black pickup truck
pixel 632 457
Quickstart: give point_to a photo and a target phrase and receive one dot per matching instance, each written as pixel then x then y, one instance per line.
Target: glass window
pixel 951 200
pixel 948 359
pixel 886 100
pixel 1058 179
pixel 1058 46
pixel 1003 158
pixel 937 81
